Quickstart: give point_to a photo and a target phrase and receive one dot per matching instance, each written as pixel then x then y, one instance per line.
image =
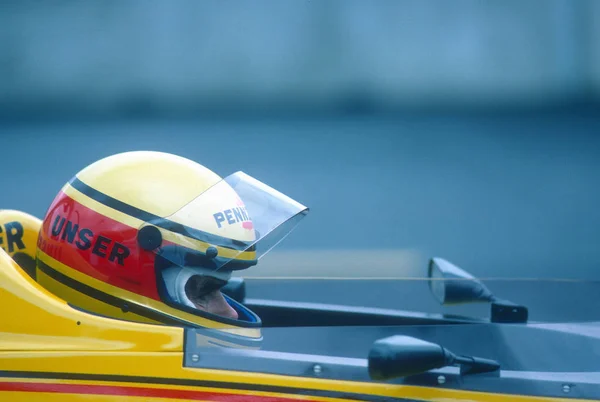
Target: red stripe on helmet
pixel 98 246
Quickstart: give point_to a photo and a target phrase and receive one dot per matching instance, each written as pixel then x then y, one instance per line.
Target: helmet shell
pixel 90 251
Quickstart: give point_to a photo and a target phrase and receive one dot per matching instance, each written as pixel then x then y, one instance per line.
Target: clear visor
pixel 229 226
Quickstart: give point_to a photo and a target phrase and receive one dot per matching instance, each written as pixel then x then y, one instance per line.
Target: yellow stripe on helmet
pixel 136 223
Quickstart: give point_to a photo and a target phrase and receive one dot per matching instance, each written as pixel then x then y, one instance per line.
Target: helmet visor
pixel 229 226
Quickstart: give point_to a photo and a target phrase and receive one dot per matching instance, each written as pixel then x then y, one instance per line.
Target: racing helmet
pixel 133 236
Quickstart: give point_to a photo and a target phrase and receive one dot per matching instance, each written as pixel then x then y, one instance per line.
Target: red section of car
pixel 193 395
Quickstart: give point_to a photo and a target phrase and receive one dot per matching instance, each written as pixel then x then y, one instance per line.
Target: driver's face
pixel 205 293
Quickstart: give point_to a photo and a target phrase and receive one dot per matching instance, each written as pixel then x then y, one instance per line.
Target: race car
pixel 53 351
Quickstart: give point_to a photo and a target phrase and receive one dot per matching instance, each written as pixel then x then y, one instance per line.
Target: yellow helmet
pixel 131 235
pixel 18 237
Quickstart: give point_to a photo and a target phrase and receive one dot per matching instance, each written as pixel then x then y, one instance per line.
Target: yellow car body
pixel 50 351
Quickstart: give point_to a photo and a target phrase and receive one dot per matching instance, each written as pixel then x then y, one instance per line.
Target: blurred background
pixel 464 129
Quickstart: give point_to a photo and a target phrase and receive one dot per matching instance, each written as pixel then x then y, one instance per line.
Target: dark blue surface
pixel 497 195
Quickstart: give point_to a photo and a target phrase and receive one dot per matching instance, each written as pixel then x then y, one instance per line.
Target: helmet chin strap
pixel 176 277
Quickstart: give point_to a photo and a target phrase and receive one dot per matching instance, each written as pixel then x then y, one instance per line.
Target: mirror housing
pixel 402 356
pixel 451 285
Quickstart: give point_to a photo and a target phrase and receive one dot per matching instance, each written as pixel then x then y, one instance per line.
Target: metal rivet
pixel 317 369
pixel 566 388
pixel 195 358
pixel 441 379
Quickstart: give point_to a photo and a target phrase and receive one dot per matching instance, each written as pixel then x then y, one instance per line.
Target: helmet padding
pixel 176 277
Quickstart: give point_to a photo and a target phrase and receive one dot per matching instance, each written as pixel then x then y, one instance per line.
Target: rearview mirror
pixel 451 285
pixel 402 356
